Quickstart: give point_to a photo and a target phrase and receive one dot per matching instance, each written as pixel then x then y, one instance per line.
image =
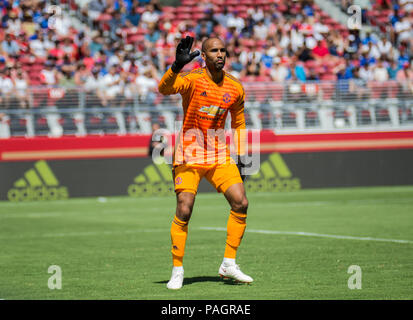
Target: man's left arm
pixel 239 131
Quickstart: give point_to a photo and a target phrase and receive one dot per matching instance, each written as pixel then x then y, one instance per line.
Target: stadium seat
pixel 110 123
pixel 169 9
pixel 184 9
pixel 93 122
pixel 198 15
pixel 68 124
pixel 41 127
pixel 18 125
pixel 289 118
pixel 267 120
pixel 180 16
pixel 311 118
pixel 364 117
pixel 382 114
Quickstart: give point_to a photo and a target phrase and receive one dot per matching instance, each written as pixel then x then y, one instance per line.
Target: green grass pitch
pixel 119 247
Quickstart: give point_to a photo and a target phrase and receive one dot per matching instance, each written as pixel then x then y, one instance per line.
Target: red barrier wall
pixel 128 146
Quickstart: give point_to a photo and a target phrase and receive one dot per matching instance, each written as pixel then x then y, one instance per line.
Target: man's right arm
pixel 172 83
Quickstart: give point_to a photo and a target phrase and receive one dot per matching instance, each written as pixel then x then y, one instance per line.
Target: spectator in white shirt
pixel 285 40
pixel 49 42
pixel 147 87
pixel 223 17
pixel 111 85
pixel 49 75
pixel 14 24
pixel 21 89
pixel 92 82
pixel 278 71
pixel 372 49
pixel 310 41
pixel 37 46
pixel 6 87
pixel 406 5
pixel 380 72
pixel 385 47
pixel 145 64
pixel 236 21
pixel 260 30
pixel 62 25
pixel 257 14
pixel 365 72
pixel 10 46
pixel 93 87
pixel 403 29
pixel 320 30
pixel 150 16
pixel 115 59
pixel 254 57
pixel 95 8
pixel 297 40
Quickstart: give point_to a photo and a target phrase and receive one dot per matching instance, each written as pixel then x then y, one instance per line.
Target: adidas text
pixel 40 193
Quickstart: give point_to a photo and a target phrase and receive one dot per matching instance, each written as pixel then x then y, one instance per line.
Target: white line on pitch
pixel 80 234
pixel 311 234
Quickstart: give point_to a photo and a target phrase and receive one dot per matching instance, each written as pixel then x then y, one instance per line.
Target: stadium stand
pixel 99 75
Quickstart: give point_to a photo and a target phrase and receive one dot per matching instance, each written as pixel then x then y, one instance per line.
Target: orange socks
pixel 179 232
pixel 235 231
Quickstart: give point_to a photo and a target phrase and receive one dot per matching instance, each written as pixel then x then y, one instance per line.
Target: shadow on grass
pixel 191 280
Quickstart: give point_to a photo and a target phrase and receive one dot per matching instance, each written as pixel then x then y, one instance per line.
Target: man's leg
pixel 236 224
pixel 179 228
pixel 227 180
pixel 179 233
pixel 186 184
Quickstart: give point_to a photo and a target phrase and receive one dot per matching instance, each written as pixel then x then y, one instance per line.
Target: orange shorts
pixel 221 176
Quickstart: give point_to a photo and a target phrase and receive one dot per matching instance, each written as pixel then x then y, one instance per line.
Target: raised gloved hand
pixel 184 54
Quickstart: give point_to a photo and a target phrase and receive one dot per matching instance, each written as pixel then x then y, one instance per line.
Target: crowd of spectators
pixel 124 46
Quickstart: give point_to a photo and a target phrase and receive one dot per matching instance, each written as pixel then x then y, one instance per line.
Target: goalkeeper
pixel 208 94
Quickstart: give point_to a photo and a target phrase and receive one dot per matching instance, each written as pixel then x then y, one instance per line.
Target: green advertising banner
pixel 141 177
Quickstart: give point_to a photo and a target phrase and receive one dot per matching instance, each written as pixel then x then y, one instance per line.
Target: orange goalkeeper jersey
pixel 206 105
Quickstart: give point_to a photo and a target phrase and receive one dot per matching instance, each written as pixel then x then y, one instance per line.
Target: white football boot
pixel 232 271
pixel 177 279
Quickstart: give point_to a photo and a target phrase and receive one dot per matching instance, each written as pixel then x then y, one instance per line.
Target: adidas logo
pixel 156 179
pixel 38 183
pixel 274 175
pixel 204 94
